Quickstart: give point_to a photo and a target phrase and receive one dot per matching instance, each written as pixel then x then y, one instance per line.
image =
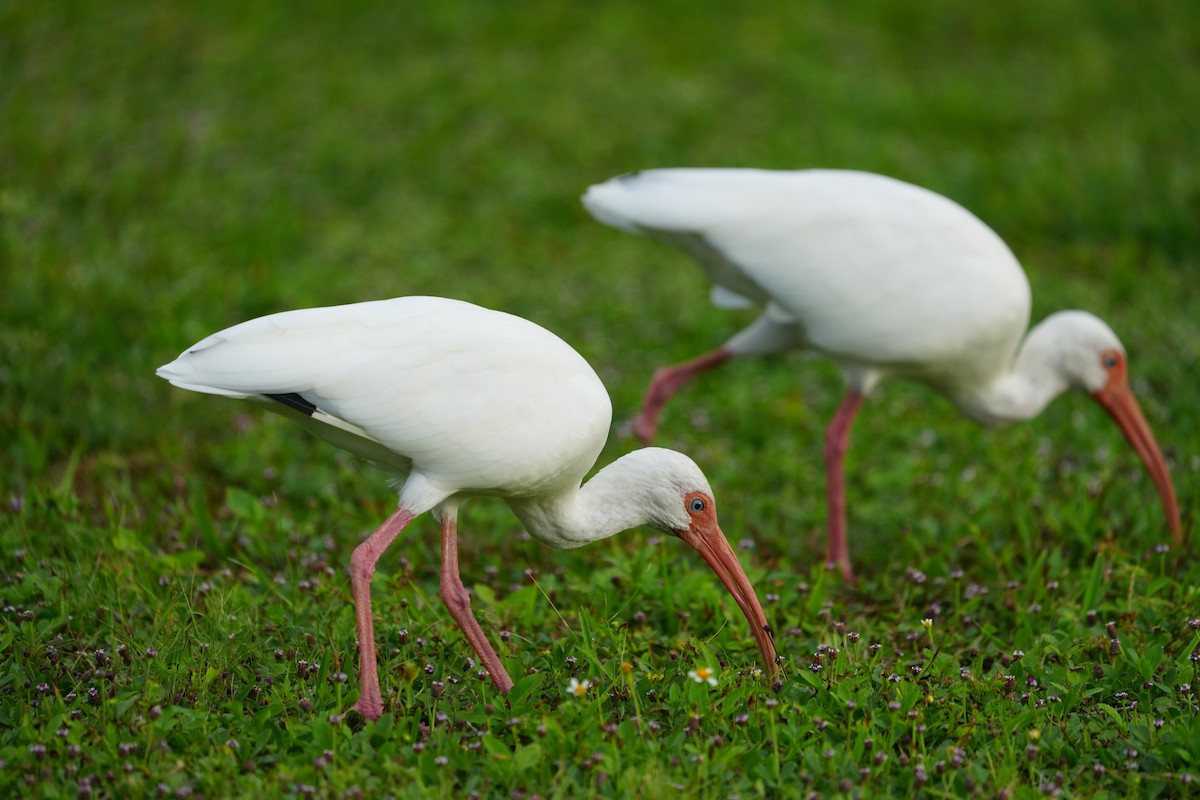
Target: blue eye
pixel 1110 362
pixel 697 505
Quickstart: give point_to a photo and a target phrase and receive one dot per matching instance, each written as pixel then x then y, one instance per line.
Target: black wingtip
pixel 293 400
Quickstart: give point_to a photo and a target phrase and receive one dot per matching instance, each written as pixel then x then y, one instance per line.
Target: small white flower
pixel 578 688
pixel 927 624
pixel 703 675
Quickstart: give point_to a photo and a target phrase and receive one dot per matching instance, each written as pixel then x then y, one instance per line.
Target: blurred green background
pixel 171 168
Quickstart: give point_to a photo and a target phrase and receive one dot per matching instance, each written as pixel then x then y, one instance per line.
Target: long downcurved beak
pixel 714 548
pixel 1118 400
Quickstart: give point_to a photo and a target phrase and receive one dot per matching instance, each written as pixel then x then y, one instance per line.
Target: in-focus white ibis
pixel 885 278
pixel 460 400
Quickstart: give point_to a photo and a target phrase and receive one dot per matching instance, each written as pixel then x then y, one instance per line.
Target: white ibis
pixel 460 400
pixel 885 278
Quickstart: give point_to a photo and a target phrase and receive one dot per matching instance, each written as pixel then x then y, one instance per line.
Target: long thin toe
pixel 645 428
pixel 371 710
pixel 844 568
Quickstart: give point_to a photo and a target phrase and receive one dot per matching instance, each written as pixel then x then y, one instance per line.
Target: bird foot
pixel 846 571
pixel 371 710
pixel 645 426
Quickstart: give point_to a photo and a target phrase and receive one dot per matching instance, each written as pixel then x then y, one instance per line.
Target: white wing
pixel 872 268
pixel 474 399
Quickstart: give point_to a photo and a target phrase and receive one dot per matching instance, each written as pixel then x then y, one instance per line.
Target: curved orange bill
pixel 714 548
pixel 1118 400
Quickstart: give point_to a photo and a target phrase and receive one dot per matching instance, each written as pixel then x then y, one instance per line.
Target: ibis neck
pixel 1033 380
pixel 604 506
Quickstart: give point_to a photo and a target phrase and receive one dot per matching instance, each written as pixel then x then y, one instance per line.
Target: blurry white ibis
pixel 885 278
pixel 459 400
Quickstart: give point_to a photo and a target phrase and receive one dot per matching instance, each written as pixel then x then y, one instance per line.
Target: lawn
pixel 176 609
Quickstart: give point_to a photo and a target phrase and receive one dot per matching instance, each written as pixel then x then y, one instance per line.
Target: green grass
pixel 176 613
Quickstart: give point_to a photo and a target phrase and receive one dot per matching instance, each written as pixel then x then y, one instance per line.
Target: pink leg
pixel 837 440
pixel 362 569
pixel 458 602
pixel 666 382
